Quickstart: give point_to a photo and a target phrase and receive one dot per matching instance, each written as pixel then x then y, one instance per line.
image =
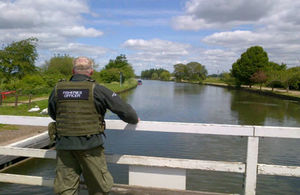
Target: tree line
pixel 156 74
pixel 18 70
pixel 192 72
pixel 254 67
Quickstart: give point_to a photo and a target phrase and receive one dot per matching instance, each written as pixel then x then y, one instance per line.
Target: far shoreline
pixel 265 91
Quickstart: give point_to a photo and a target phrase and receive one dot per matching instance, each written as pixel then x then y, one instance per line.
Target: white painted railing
pixel 171 170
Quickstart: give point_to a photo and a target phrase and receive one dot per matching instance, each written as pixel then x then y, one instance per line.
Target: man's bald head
pixel 82 65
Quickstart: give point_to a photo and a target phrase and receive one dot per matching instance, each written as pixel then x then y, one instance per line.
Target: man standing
pixel 78 106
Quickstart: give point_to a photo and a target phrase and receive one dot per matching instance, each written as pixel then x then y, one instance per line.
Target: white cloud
pixel 281 47
pixel 81 49
pixel 143 17
pixel 219 14
pixel 228 10
pixel 80 31
pixel 157 50
pixel 136 12
pixel 136 22
pixel 218 60
pixel 188 22
pixel 56 23
pixel 156 53
pixel 157 46
pixel 238 37
pixel 39 13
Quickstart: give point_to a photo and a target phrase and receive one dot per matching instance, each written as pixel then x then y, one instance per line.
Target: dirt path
pixel 20 132
pixel 23 102
pixel 39 99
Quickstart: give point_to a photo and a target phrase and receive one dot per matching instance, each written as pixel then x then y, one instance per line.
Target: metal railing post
pixel 251 166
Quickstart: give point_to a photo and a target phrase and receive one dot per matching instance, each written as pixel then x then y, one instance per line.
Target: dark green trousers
pixel 90 163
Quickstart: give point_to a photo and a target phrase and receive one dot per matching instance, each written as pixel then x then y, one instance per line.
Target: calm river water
pixel 168 101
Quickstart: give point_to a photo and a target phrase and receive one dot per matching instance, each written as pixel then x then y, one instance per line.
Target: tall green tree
pixel 275 66
pixel 286 78
pixel 146 74
pixel 120 62
pixel 192 71
pixel 109 75
pixel 18 59
pixel 273 72
pixel 196 72
pixel 155 76
pixel 294 77
pixel 180 72
pixel 116 67
pixel 273 79
pixel 160 74
pixel 60 64
pixel 251 61
pixel 165 76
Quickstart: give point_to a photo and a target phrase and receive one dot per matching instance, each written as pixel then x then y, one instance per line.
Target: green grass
pixel 115 86
pixel 4 127
pixel 22 110
pixel 213 80
pixel 287 94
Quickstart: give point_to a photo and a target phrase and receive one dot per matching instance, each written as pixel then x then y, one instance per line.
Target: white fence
pixel 169 170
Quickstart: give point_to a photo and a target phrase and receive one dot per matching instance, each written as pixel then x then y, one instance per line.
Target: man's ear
pixel 92 71
pixel 73 71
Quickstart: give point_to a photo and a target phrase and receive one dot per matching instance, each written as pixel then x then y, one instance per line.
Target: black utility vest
pixel 76 114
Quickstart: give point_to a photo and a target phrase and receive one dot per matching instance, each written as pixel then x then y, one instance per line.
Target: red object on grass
pixel 6 93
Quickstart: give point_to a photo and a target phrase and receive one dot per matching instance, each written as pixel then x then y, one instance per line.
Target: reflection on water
pixel 168 101
pixel 254 109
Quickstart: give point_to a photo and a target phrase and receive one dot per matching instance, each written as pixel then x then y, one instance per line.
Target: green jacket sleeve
pixel 52 105
pixel 107 99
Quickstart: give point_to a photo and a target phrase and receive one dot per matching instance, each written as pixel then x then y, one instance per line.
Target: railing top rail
pixel 174 127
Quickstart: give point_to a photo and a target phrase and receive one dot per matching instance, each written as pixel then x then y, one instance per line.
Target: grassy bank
pixel 277 92
pixel 116 87
pixel 213 80
pixel 22 110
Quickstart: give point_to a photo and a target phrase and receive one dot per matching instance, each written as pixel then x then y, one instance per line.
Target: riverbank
pixel 279 93
pixel 42 102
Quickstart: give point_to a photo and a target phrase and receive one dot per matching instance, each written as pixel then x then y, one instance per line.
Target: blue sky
pixel 156 33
